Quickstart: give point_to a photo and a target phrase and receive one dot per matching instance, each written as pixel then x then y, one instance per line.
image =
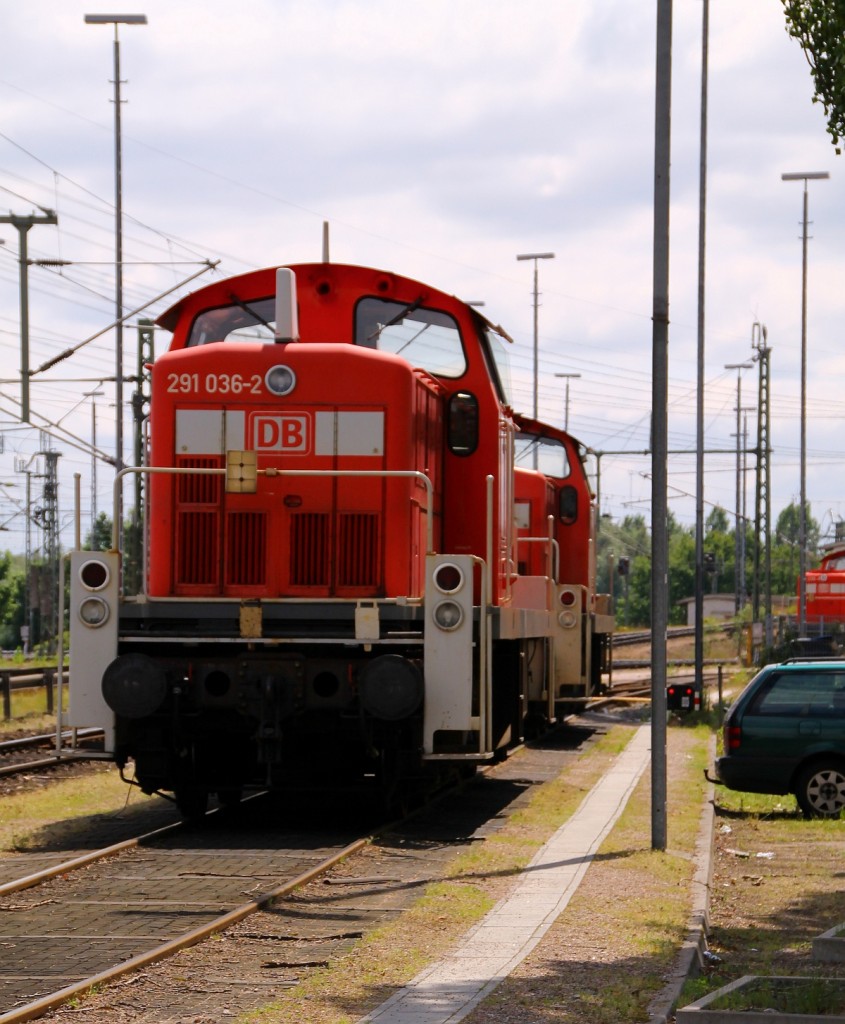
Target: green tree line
pixel 626 545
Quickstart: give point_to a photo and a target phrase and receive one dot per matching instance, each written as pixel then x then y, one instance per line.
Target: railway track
pixel 126 906
pixel 133 905
pixel 32 753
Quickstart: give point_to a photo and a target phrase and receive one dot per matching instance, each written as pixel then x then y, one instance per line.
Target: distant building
pixel 723 606
pixel 714 606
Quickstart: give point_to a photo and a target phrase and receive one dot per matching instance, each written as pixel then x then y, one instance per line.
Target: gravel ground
pixel 576 959
pixel 592 967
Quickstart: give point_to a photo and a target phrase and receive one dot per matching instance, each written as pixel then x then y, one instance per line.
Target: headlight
pixel 94 612
pixel 448 615
pixel 448 578
pixel 94 575
pixel 567 619
pixel 280 380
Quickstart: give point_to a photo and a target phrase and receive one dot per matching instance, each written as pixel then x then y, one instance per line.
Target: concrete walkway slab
pixel 446 991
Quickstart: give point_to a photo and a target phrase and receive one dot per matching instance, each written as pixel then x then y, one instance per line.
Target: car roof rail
pixel 804 658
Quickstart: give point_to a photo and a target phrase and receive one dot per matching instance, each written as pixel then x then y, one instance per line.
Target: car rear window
pixel 801 693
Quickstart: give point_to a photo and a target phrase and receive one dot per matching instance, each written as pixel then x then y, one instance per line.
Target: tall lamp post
pixel 569 377
pixel 804 176
pixel 93 395
pixel 536 256
pixel 739 521
pixel 117 19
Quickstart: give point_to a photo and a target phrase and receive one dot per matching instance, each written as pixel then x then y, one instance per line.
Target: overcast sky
pixel 439 139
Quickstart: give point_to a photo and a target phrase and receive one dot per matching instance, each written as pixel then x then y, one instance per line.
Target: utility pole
pixel 738 522
pixel 804 176
pixel 698 596
pixel 659 404
pixel 569 377
pixel 535 256
pixel 762 496
pixel 22 225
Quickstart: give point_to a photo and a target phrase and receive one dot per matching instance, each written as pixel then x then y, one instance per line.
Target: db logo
pixel 285 433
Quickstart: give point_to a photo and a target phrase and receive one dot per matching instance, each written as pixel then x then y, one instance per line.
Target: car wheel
pixel 820 790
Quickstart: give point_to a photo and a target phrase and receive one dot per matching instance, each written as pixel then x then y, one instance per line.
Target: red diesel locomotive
pixel 361 563
pixel 825 586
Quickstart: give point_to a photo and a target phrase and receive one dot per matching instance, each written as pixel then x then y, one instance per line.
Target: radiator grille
pixel 246 551
pixel 357 555
pixel 199 490
pixel 196 548
pixel 309 549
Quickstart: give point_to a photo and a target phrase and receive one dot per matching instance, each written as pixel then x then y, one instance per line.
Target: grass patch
pixel 785 995
pixel 29 712
pixel 26 813
pixel 774 890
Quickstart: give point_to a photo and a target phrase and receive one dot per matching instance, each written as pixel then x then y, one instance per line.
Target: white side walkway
pixel 447 991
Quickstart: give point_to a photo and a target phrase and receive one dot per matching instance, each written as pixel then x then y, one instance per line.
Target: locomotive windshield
pixel 242 321
pixel 427 338
pixel 544 453
pixel 497 348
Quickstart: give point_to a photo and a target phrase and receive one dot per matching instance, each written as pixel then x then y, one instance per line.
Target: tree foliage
pixel 11 601
pixel 630 540
pixel 819 26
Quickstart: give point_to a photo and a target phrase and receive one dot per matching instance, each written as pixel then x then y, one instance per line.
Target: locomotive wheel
pixel 192 802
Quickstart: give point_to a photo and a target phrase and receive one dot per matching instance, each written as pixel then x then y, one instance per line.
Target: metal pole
pixel 23 224
pixel 118 19
pixel 802 512
pixel 118 259
pixel 535 256
pixel 93 395
pixel 659 480
pixel 536 389
pixel 568 376
pixel 738 516
pixel 739 367
pixel 742 546
pixel 698 624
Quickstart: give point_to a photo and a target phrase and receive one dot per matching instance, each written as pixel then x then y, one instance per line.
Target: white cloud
pixel 440 139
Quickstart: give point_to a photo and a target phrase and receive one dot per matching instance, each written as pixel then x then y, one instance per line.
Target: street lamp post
pixel 535 256
pixel 804 176
pixel 118 19
pixel 93 395
pixel 739 521
pixel 568 377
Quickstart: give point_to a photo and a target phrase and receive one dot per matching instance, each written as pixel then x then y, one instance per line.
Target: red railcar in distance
pixel 825 586
pixel 361 564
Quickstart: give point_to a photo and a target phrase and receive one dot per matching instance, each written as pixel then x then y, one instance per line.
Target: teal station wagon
pixel 785 733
